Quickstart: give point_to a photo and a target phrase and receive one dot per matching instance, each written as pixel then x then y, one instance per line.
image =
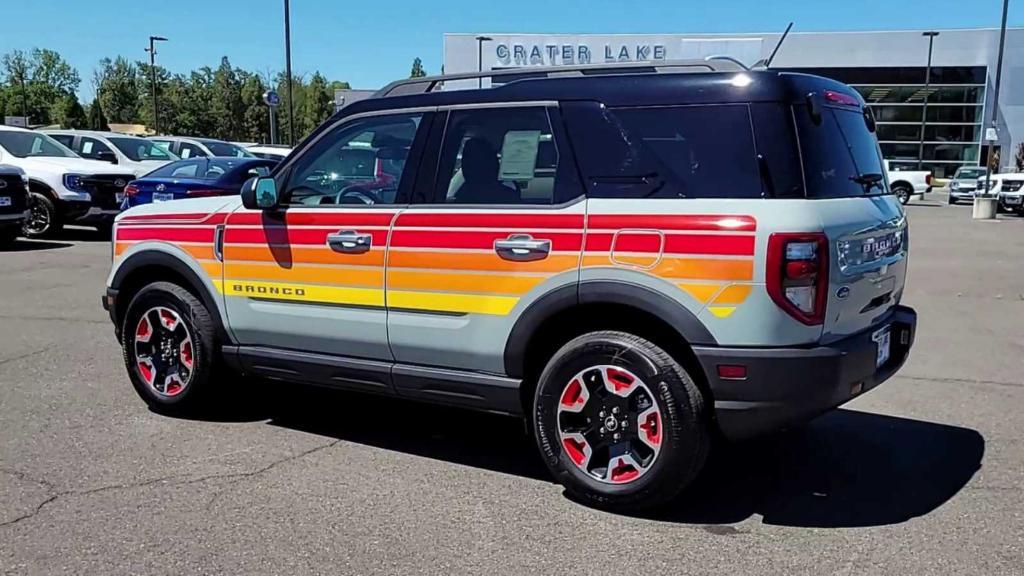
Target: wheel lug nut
pixel 615 410
pixel 601 414
pixel 617 436
pixel 603 430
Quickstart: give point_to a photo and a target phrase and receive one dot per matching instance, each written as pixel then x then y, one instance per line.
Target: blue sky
pixel 369 43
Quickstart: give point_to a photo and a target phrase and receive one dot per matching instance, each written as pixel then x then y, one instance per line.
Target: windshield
pixel 970 174
pixel 227 149
pixel 26 144
pixel 138 149
pixel 841 156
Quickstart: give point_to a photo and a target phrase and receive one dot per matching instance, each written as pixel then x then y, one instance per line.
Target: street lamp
pixel 288 70
pixel 152 73
pixel 927 85
pixel 480 58
pixel 995 101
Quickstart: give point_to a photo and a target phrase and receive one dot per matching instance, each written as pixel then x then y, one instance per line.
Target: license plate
pixel 158 197
pixel 5 200
pixel 1013 199
pixel 882 339
pixel 119 197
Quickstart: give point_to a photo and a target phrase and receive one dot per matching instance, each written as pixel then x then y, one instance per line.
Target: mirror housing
pixel 259 193
pixel 106 156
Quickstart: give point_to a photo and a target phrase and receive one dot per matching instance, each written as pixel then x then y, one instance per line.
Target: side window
pixel 65 139
pixel 190 151
pixel 186 170
pixel 360 162
pixel 91 147
pixel 500 156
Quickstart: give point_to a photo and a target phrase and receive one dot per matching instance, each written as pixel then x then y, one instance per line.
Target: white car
pixel 131 153
pixel 270 151
pixel 64 187
pixel 906 184
pixel 965 182
pixel 1009 187
pixel 187 147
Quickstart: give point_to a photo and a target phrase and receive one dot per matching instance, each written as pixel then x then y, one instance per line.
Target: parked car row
pixel 1009 188
pixel 82 177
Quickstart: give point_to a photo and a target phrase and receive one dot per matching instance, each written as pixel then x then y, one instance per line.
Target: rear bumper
pixel 785 386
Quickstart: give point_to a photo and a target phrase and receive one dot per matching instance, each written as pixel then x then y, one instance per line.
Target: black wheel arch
pixel 144 268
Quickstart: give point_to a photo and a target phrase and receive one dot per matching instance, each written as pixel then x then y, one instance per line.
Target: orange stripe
pixel 732 295
pixel 197 252
pixel 701 292
pixel 480 283
pixel 295 254
pixel 373 278
pixel 685 268
pixel 478 261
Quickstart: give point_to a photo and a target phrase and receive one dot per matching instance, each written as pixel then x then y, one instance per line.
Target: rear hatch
pixel 864 223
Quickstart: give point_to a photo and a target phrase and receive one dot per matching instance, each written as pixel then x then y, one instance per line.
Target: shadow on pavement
pixel 845 469
pixel 23 245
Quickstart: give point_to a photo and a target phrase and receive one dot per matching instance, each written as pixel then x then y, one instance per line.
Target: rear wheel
pixel 902 193
pixel 168 344
pixel 620 423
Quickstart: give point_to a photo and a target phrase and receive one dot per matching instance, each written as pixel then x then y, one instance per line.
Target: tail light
pixel 203 193
pixel 797 275
pixel 131 190
pixel 928 180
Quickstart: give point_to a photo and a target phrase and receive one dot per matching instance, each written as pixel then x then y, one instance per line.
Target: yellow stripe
pixel 443 302
pixel 701 292
pixel 722 311
pixel 302 292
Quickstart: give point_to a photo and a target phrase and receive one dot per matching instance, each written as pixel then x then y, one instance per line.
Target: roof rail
pixel 432 83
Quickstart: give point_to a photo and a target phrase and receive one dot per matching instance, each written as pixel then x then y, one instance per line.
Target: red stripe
pixel 477 240
pixel 284 235
pixel 723 222
pixel 190 218
pixel 674 244
pixel 171 234
pixel 492 220
pixel 320 218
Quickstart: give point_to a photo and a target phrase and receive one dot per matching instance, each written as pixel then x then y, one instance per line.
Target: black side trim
pixel 165 260
pixel 467 389
pixel 530 320
pixel 474 390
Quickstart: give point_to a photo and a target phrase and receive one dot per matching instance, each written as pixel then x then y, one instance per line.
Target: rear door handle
pixel 350 242
pixel 522 248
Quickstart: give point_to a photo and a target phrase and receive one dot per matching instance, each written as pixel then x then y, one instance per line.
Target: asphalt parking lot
pixel 924 475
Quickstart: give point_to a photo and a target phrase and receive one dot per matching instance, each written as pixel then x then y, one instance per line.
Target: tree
pixel 117 86
pixel 68 112
pixel 40 81
pixel 226 106
pixel 319 101
pixel 95 118
pixel 417 69
pixel 144 88
pixel 1018 158
pixel 255 117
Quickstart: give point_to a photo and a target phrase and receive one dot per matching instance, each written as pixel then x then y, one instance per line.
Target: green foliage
pixel 417 69
pixel 95 118
pixel 1018 158
pixel 117 90
pixel 36 83
pixel 68 112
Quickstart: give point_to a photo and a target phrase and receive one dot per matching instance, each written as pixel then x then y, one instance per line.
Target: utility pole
pixel 927 86
pixel 152 75
pixel 288 70
pixel 995 101
pixel 480 58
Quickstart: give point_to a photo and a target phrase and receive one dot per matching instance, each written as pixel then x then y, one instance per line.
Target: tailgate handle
pixel 350 242
pixel 522 248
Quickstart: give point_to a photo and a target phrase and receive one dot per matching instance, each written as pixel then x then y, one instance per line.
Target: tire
pixel 651 380
pixel 45 220
pixel 903 193
pixel 952 201
pixel 171 312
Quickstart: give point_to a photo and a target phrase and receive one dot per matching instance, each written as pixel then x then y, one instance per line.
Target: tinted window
pixel 187 150
pixel 360 162
pixel 499 156
pixel 138 149
pixel 226 149
pixel 179 169
pixel 840 155
pixel 26 143
pixel 686 152
pixel 65 139
pixel 91 147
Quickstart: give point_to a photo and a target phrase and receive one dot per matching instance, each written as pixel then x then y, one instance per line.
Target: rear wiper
pixel 869 180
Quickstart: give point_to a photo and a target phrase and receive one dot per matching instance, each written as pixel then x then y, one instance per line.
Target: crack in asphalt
pixel 25 355
pixel 961 380
pixel 234 476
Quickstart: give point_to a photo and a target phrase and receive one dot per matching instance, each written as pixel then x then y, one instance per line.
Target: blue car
pixel 195 178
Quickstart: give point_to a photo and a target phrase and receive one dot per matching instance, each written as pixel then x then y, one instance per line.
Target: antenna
pixel 768 64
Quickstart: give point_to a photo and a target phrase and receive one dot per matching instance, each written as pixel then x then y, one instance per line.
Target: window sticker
pixel 519 154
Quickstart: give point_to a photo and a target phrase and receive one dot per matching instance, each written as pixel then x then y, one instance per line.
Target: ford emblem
pixel 161 187
pixel 843 292
pixel 120 183
pixel 3 184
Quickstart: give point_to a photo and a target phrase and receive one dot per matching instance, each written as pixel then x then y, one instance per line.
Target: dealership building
pixel 948 110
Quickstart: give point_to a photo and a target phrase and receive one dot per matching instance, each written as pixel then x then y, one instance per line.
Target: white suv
pixel 130 153
pixel 64 188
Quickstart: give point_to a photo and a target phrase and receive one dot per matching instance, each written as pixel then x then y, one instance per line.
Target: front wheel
pixel 168 342
pixel 903 194
pixel 952 201
pixel 44 220
pixel 619 422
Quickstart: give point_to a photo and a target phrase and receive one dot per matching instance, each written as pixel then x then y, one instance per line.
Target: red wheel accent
pixel 144 330
pixel 146 370
pixel 186 354
pixel 168 319
pixel 623 471
pixel 573 395
pixel 173 385
pixel 576 449
pixel 650 425
pixel 620 380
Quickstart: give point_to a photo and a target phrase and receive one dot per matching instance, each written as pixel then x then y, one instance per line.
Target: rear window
pixel 840 155
pixel 691 151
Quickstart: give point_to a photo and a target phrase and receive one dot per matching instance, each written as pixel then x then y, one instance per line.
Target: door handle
pixel 522 248
pixel 350 242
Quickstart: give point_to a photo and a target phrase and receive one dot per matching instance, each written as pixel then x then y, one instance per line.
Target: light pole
pixel 152 74
pixel 927 85
pixel 480 58
pixel 288 70
pixel 995 99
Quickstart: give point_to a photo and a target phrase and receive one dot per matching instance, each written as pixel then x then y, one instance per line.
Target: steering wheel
pixel 359 193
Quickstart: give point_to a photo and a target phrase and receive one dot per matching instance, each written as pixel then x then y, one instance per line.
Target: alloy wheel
pixel 164 352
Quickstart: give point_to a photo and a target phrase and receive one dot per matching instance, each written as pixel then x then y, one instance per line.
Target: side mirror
pixel 106 156
pixel 259 194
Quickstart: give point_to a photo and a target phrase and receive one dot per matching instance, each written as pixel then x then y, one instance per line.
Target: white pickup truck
pixel 906 184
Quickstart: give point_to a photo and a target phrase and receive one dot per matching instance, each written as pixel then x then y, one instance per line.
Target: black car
pixel 14 208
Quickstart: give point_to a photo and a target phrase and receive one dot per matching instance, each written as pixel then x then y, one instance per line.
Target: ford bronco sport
pixel 632 262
